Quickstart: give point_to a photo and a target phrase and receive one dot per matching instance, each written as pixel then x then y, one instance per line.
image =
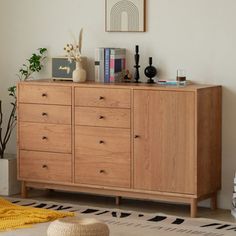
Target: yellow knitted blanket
pixel 13 216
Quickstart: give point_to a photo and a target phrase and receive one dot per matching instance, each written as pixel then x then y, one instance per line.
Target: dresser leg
pixel 118 200
pixel 24 193
pixel 214 201
pixel 194 208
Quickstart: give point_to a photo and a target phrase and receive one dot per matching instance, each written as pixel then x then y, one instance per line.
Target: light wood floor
pixel 129 204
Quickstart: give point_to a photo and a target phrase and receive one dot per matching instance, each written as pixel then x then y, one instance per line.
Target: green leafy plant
pixel 33 64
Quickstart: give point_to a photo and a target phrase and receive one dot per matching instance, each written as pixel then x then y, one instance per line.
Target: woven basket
pixel 77 227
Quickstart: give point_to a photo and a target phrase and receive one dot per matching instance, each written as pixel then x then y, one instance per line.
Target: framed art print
pixel 125 15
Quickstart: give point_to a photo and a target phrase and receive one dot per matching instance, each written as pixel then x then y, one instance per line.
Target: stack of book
pixel 110 64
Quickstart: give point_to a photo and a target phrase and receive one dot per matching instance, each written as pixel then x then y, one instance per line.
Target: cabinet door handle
pixel 101 117
pixel 102 98
pixel 102 171
pixel 136 136
pixel 101 142
pixel 44 95
pixel 44 166
pixel 44 138
pixel 44 114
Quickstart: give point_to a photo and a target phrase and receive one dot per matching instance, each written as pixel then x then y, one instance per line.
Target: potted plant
pixel 8 166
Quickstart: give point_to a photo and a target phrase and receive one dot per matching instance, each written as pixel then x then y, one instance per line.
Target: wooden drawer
pixel 45 113
pixel 101 171
pixel 101 97
pixel 105 142
pixel 45 137
pixel 102 117
pixel 57 95
pixel 52 167
pixel 102 156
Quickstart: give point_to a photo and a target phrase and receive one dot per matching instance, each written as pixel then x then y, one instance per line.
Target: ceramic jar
pixel 79 74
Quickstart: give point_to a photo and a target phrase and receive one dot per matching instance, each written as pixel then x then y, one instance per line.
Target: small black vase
pixel 150 72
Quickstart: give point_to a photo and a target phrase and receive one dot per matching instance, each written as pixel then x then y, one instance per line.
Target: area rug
pixel 129 223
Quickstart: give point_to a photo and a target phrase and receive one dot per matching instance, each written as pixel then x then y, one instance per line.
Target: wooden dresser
pixel 140 141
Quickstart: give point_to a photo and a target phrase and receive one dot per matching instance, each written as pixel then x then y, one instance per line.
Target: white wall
pixel 198 35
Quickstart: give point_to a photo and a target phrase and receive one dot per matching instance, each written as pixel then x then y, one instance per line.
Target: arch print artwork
pixel 125 15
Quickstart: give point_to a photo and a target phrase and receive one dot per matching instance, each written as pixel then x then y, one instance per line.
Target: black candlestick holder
pixel 137 66
pixel 150 72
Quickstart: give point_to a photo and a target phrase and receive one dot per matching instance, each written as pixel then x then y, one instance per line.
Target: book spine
pixel 112 69
pixel 107 65
pixel 99 65
pixel 117 64
pixel 102 73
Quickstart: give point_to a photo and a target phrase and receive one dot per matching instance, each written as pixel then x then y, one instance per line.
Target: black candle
pixel 137 49
pixel 150 61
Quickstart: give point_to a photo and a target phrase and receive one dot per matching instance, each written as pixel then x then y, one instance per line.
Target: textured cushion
pixel 77 227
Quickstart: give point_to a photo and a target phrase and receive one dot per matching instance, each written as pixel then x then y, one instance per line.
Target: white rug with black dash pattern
pixel 129 223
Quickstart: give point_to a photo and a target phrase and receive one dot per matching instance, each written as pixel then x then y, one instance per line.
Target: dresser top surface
pixel 51 82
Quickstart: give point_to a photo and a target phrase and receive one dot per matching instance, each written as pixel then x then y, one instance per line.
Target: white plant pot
pixel 8 176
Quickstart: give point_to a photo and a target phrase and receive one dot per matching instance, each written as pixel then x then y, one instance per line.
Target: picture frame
pixel 125 16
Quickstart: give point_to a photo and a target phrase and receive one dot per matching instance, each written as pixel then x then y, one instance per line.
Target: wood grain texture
pixel 102 156
pixel 193 208
pixel 164 157
pixel 96 97
pixel 114 191
pixel 54 167
pixel 45 137
pixel 152 142
pixel 102 117
pixel 108 142
pixel 42 94
pixel 102 171
pixel 122 86
pixel 209 125
pixel 52 114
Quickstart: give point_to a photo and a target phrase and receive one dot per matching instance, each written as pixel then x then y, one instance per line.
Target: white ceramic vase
pixel 79 74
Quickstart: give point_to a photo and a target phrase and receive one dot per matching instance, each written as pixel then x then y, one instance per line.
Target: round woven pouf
pixel 77 227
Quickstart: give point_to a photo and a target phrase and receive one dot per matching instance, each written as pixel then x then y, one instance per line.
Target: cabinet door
pixel 164 136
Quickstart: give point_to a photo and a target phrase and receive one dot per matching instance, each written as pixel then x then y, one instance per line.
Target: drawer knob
pixel 101 117
pixel 101 142
pixel 101 98
pixel 44 114
pixel 136 136
pixel 44 138
pixel 44 166
pixel 44 95
pixel 102 171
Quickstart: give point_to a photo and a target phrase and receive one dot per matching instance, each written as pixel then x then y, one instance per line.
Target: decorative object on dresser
pixel 128 77
pixel 125 15
pixel 74 53
pixel 170 139
pixel 150 72
pixel 62 69
pixel 110 64
pixel 8 181
pixel 181 75
pixel 137 66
